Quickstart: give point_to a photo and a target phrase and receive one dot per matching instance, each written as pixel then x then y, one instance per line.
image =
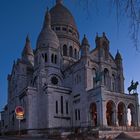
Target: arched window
pixel 54 80
pixel 56 107
pixel 113 82
pixel 71 51
pixel 106 76
pixel 79 114
pixel 55 59
pixel 67 107
pixel 75 114
pixel 65 50
pixel 52 58
pixel 61 104
pixel 75 53
pixel 95 77
pixel 45 57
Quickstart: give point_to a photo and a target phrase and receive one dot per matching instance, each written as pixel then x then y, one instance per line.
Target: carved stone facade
pixel 62 84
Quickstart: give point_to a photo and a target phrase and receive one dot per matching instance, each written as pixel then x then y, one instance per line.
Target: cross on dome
pixel 59 1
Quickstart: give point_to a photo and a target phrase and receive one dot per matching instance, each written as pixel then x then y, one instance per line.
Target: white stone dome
pixel 47 36
pixel 61 15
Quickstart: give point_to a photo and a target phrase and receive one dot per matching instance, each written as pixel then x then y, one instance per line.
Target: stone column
pixel 138 116
pixel 133 119
pixel 103 114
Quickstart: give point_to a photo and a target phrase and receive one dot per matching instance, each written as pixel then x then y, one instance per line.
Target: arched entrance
pixel 110 113
pixel 131 114
pixel 121 114
pixel 93 114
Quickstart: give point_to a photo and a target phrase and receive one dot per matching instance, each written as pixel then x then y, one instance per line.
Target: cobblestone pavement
pixel 39 138
pixel 22 138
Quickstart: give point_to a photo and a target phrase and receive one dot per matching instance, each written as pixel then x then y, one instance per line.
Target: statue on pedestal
pixel 133 87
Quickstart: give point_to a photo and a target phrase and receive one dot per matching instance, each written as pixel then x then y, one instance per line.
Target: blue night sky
pixel 21 17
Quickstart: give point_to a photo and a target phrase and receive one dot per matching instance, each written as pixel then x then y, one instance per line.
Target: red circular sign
pixel 19 111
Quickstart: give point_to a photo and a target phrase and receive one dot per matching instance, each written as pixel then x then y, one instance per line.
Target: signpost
pixel 19 110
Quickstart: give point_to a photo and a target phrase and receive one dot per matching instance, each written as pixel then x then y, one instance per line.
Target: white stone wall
pixel 31 86
pixel 58 119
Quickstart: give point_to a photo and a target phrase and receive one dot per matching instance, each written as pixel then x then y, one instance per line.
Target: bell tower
pixel 102 43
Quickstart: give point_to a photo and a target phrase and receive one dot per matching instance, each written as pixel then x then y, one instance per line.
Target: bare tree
pixel 129 8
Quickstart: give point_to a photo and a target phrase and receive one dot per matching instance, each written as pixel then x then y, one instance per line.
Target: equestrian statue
pixel 133 87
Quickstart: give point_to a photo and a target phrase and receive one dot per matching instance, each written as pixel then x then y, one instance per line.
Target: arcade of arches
pixel 116 115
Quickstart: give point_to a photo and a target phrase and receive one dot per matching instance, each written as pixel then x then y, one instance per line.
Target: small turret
pixel 118 60
pixel 27 53
pixel 85 47
pixel 118 56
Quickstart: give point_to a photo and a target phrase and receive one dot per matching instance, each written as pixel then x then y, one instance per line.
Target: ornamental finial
pixel 48 18
pixel 59 1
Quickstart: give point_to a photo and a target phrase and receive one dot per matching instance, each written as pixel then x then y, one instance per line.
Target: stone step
pixel 134 134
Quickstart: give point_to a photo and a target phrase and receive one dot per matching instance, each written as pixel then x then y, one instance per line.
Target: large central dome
pixel 61 15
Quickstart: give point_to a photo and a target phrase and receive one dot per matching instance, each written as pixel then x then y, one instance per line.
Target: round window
pixel 54 80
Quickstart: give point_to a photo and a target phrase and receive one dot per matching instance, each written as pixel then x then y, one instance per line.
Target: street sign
pixel 19 110
pixel 19 117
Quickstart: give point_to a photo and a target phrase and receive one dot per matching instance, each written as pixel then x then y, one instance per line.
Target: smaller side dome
pixel 47 36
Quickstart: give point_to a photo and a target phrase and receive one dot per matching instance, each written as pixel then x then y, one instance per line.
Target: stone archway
pixel 122 114
pixel 131 116
pixel 110 113
pixel 93 114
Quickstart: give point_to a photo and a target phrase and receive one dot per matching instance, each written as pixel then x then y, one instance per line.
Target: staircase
pixel 125 128
pixel 135 135
pixel 113 132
